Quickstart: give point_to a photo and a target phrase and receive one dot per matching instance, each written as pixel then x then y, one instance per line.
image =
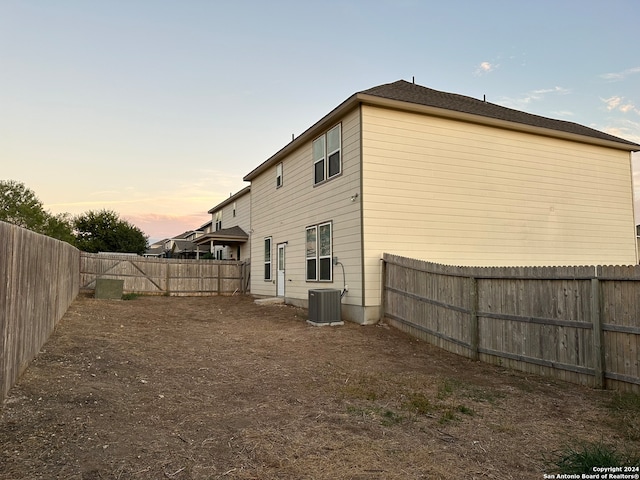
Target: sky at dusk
pixel 157 109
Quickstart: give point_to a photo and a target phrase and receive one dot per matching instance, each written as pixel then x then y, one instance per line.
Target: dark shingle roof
pixel 182 236
pixel 410 92
pixel 232 232
pixel 184 245
pixel 235 234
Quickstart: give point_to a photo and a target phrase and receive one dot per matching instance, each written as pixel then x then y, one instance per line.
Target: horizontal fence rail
pixel 162 276
pixel 578 324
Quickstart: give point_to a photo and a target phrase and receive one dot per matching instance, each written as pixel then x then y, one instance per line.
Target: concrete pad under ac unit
pixel 269 301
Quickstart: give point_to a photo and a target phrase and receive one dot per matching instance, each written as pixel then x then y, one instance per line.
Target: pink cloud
pixel 485 67
pixel 615 103
pixel 158 227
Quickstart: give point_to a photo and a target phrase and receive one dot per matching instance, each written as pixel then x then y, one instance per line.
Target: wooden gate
pixel 163 276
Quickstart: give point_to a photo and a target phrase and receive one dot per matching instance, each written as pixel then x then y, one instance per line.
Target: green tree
pixel 20 206
pixel 104 231
pixel 61 227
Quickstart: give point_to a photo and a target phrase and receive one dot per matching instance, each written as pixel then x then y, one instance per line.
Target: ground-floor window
pixel 267 258
pixel 318 252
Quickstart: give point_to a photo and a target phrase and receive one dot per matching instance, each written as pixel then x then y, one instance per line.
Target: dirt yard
pixel 222 388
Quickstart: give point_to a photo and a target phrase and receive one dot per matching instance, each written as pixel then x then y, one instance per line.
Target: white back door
pixel 280 280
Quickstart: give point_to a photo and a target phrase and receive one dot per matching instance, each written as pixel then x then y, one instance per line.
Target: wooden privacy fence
pixel 39 279
pixel 162 276
pixel 578 324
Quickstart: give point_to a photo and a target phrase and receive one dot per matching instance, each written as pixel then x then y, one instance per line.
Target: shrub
pixel 588 455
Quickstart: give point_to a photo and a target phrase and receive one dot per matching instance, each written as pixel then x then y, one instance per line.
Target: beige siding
pixel 243 213
pixel 284 213
pixel 466 194
pixel 242 219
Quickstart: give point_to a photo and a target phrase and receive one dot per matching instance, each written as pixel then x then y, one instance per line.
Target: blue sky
pixel 157 109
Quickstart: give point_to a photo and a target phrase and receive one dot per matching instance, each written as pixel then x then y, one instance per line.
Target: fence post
pixel 167 290
pixel 383 281
pixel 598 351
pixel 475 333
pixel 246 276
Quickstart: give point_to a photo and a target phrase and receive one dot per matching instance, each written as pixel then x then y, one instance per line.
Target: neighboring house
pixel 205 228
pixel 156 249
pixel 231 222
pixel 412 171
pixel 182 246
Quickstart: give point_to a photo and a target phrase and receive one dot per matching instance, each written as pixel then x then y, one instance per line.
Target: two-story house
pixel 181 246
pixel 412 171
pixel 230 224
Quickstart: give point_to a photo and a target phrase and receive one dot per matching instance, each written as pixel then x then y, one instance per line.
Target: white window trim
pixel 322 141
pixel 270 261
pixel 279 176
pixel 327 154
pixel 335 150
pixel 307 257
pixel 318 257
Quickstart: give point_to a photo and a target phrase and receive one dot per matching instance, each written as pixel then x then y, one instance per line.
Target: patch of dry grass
pixel 220 388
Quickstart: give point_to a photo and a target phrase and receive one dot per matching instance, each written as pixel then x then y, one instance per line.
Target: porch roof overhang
pixel 225 236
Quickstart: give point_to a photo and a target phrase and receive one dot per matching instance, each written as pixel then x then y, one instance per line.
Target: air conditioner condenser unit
pixel 324 307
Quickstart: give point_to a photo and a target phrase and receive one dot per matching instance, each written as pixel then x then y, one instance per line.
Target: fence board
pixel 161 276
pixel 544 320
pixel 39 278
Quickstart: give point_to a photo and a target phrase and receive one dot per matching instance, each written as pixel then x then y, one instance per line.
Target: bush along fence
pixel 161 276
pixel 39 279
pixel 578 324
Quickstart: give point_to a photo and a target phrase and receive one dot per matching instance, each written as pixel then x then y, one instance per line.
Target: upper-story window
pixel 218 215
pixel 234 209
pixel 279 175
pixel 327 160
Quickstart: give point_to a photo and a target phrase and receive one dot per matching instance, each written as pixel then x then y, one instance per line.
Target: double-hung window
pixel 267 258
pixel 218 220
pixel 279 175
pixel 318 253
pixel 327 159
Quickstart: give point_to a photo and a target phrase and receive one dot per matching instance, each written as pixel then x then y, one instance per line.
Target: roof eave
pixel 307 135
pixel 204 241
pixel 364 98
pixel 494 122
pixel 233 197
